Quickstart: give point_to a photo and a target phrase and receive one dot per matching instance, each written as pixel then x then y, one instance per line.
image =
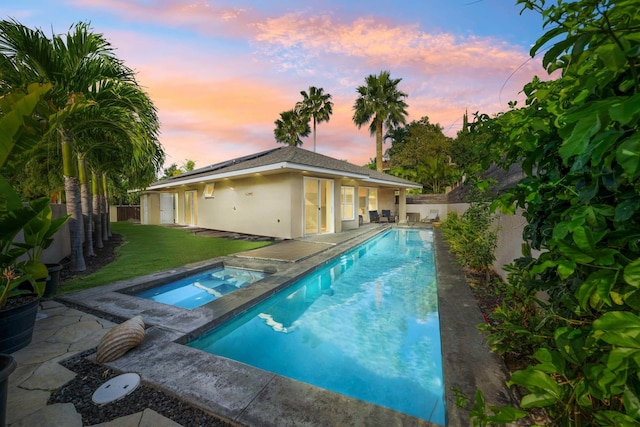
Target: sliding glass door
pixel 318 206
pixel 190 198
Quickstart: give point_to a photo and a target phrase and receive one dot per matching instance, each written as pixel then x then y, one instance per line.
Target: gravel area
pixel 90 376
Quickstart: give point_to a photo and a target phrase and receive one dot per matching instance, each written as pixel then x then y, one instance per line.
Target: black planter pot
pixel 53 280
pixel 16 326
pixel 7 366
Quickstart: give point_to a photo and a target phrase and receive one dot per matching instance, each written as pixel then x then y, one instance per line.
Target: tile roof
pixel 290 155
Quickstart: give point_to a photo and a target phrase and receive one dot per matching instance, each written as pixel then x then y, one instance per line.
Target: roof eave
pixel 398 184
pixel 250 171
pixel 274 167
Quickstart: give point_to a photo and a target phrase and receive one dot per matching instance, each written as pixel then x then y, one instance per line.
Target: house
pixel 286 192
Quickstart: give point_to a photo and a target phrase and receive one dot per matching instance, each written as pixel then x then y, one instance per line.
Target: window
pixel 348 195
pixel 208 191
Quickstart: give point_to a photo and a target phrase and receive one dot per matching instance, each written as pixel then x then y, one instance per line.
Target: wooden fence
pixel 128 213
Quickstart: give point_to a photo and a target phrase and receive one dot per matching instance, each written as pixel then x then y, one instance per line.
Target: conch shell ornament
pixel 120 339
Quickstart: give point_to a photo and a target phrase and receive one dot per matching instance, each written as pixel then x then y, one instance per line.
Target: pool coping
pixel 250 396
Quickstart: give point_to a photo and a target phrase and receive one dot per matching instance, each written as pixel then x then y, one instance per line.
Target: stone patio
pixel 60 332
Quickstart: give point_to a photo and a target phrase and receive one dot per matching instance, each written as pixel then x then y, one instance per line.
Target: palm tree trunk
pixel 314 133
pixel 97 218
pixel 106 226
pixel 103 209
pixel 378 145
pixel 85 193
pixel 72 193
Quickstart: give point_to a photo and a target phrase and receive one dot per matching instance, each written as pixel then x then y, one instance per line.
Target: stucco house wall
pixel 387 200
pixel 149 206
pixel 266 194
pixel 253 205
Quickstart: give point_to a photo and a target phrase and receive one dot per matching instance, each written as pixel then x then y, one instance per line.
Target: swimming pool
pixel 199 289
pixel 365 325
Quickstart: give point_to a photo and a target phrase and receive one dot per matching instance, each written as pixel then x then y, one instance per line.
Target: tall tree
pixel 317 105
pixel 174 170
pixel 291 126
pixel 381 103
pixel 420 151
pixel 466 149
pixel 114 136
pixel 79 64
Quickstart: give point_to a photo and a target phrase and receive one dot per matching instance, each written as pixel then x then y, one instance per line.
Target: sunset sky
pixel 221 72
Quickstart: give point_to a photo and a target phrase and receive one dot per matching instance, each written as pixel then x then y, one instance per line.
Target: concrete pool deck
pixel 243 394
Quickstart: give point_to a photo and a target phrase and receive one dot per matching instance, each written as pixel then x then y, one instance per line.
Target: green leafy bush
pixel 471 237
pixel 522 322
pixel 478 414
pixel 578 141
pixel 20 263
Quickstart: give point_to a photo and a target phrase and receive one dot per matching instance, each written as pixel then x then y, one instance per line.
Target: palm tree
pixel 291 126
pixel 123 126
pixel 381 103
pixel 79 64
pixel 317 105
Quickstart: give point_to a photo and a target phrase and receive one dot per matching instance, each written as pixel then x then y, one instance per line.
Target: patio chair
pixel 433 216
pixel 386 216
pixel 373 216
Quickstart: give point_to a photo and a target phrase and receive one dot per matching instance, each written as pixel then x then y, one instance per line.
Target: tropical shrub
pixel 471 237
pixel 20 263
pixel 578 141
pixel 478 413
pixel 521 323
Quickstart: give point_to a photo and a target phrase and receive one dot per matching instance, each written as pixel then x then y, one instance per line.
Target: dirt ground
pixel 102 257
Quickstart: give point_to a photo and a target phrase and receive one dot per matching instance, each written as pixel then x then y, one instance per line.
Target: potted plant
pixel 22 277
pixel 21 272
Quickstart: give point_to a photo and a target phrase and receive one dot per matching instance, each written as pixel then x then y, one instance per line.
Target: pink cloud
pixel 218 104
pixel 377 42
pixel 198 16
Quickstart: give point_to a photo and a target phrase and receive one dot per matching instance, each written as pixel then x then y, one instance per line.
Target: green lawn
pixel 151 248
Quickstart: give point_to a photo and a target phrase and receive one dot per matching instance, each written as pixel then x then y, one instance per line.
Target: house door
pixel 367 201
pixel 167 211
pixel 318 206
pixel 145 208
pixel 190 207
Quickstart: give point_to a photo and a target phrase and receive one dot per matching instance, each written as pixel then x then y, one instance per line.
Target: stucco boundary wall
pixel 420 205
pixel 61 246
pixel 509 227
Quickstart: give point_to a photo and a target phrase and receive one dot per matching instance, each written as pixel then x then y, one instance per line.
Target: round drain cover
pixel 116 388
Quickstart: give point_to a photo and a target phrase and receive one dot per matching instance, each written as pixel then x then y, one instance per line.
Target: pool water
pixel 196 290
pixel 365 325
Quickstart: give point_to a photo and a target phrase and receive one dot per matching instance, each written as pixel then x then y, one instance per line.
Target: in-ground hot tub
pixel 201 288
